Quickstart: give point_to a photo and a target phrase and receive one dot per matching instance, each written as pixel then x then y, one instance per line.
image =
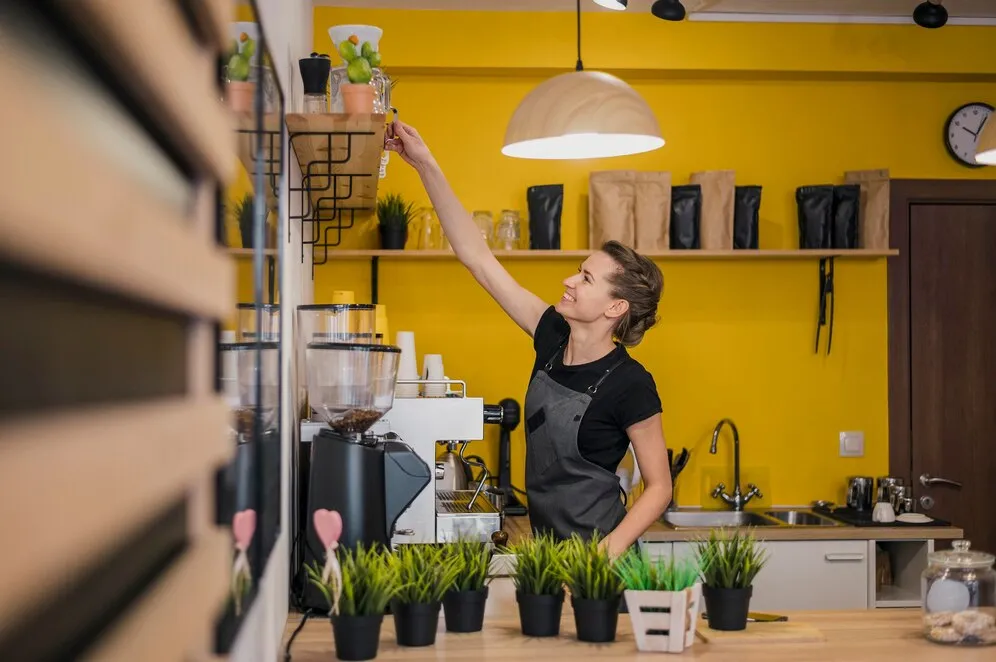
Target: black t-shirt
pixel 627 396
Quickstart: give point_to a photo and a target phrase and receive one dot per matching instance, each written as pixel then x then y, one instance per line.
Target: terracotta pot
pixel 358 98
pixel 240 96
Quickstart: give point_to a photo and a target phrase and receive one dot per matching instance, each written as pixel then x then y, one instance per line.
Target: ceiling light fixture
pixel 581 115
pixel 618 5
pixel 668 10
pixel 985 152
pixel 930 14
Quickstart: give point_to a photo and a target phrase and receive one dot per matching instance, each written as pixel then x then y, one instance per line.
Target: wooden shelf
pixel 853 254
pixel 248 133
pixel 349 147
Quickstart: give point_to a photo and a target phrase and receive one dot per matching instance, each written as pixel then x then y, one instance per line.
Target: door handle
pixel 927 480
pixel 843 556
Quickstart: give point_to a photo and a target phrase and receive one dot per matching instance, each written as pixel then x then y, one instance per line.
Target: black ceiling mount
pixel 668 10
pixel 930 14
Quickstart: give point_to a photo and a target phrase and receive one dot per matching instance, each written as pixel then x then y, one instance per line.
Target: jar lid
pixel 959 556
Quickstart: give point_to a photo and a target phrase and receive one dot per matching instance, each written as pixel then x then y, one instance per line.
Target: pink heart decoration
pixel 243 527
pixel 328 526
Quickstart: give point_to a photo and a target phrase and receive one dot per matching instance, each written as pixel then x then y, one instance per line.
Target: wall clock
pixel 962 129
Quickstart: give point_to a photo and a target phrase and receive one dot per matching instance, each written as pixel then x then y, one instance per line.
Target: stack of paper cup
pixel 408 368
pixel 432 370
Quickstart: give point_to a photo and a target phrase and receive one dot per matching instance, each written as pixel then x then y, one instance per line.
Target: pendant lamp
pixel 985 153
pixel 581 115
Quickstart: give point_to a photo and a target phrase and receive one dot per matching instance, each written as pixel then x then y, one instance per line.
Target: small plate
pixel 914 518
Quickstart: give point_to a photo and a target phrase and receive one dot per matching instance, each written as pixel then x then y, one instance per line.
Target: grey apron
pixel 566 492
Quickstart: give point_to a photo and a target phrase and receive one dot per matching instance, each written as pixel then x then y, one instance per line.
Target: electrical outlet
pixel 852 444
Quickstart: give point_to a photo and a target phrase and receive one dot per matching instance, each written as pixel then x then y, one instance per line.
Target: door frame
pixel 903 194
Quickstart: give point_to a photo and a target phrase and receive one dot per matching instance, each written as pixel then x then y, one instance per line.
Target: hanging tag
pixel 328 526
pixel 383 164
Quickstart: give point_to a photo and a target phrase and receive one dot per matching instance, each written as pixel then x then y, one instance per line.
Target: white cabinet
pixel 825 574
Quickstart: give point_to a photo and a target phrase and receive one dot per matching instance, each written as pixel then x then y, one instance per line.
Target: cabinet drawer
pixel 808 575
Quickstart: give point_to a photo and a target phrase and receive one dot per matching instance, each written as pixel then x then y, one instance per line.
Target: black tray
pixel 864 518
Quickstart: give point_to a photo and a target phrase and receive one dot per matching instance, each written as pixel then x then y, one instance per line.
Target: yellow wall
pixel 736 338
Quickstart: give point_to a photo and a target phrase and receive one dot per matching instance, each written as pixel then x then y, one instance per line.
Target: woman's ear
pixel 617 309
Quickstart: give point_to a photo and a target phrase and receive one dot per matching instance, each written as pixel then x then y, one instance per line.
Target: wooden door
pixel 951 373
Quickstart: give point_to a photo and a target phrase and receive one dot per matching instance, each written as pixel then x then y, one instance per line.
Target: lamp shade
pixel 581 115
pixel 985 152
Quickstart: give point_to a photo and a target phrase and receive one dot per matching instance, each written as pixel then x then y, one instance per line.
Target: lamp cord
pixel 579 66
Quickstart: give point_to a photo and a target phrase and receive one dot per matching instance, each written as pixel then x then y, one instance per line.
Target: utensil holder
pixel 664 621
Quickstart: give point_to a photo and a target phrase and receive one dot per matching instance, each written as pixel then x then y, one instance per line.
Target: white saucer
pixel 914 518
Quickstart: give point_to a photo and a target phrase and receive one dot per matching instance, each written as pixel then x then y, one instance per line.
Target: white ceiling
pixel 855 8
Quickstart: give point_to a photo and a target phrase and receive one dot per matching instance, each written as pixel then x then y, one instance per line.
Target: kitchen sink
pixel 716 518
pixel 801 518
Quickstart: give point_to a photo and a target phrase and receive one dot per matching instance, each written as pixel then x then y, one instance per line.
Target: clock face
pixel 961 133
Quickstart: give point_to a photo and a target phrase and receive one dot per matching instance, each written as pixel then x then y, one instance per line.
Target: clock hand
pixel 983 124
pixel 967 131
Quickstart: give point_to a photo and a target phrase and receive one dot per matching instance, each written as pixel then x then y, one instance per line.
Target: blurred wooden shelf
pixel 249 252
pixel 763 254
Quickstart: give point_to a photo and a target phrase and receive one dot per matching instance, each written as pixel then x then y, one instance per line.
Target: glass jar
pixel 430 232
pixel 380 82
pixel 959 596
pixel 486 224
pixel 508 233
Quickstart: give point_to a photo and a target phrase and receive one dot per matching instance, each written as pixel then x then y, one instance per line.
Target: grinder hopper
pixel 351 385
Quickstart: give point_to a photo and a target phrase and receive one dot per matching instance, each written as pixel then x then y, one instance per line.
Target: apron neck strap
pixel 594 387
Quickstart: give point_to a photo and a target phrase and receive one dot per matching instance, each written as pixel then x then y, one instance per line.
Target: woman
pixel 587 400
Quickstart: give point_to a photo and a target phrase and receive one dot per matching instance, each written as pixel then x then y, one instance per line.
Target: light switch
pixel 852 444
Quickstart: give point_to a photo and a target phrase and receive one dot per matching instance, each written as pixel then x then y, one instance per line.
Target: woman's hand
pixel 405 140
pixel 614 552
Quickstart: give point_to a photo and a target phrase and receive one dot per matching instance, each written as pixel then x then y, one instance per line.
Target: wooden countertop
pixel 884 634
pixel 518 527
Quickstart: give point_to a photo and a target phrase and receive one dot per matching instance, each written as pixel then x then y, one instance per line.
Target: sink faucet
pixel 738 500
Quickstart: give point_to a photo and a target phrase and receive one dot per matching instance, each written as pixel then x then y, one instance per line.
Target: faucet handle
pixel 753 491
pixel 718 490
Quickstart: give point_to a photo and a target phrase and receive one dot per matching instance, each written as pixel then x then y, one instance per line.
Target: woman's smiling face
pixel 588 293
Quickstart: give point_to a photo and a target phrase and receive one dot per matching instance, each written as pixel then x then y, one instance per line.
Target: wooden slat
pixel 175 617
pixel 156 55
pixel 70 210
pixel 213 18
pixel 72 483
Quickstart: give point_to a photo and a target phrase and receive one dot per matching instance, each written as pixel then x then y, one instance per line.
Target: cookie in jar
pixel 959 596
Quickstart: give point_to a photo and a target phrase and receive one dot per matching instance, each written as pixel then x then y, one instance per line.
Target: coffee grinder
pixel 369 479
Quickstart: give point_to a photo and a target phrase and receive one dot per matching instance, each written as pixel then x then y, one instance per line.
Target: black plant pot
pixel 356 637
pixel 464 610
pixel 596 620
pixel 393 237
pixel 246 230
pixel 539 615
pixel 415 624
pixel 727 607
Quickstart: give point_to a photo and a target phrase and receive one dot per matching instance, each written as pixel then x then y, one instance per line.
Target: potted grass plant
pixel 463 604
pixel 425 573
pixel 393 217
pixel 595 587
pixel 663 597
pixel 730 560
pixel 368 584
pixel 539 584
pixel 243 212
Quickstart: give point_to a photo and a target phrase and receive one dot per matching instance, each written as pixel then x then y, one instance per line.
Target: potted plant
pixel 663 598
pixel 240 91
pixel 424 573
pixel 244 213
pixel 361 60
pixel 368 584
pixel 393 217
pixel 595 587
pixel 463 604
pixel 539 585
pixel 730 560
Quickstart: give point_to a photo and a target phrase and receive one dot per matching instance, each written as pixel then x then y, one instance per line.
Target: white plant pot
pixel 680 620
